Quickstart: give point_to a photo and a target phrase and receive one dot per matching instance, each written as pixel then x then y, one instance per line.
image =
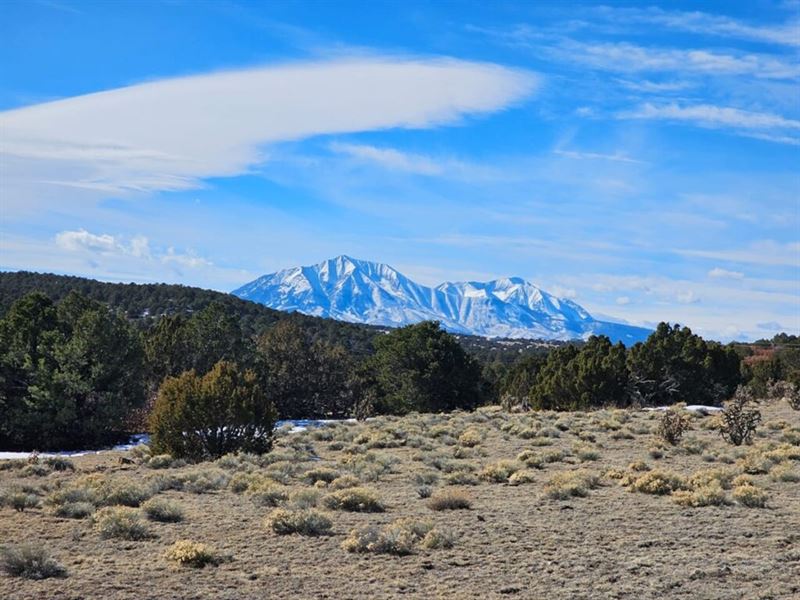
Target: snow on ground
pixel 692 408
pixel 290 425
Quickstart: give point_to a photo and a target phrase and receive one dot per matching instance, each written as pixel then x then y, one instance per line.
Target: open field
pixel 553 513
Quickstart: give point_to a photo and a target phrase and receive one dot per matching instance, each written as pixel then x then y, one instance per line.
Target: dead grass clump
pixel 354 500
pixel 30 561
pixel 470 437
pixel 569 484
pixel 120 522
pixel 658 483
pixel 449 500
pixel 187 553
pixel 302 522
pixel 722 476
pixel 163 511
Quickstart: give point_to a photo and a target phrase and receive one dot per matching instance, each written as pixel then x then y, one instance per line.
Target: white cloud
pixel 83 240
pixel 787 33
pixel 390 158
pixel 597 156
pixel 687 297
pixel 86 243
pixel 719 273
pixel 172 134
pixel 623 300
pixel 624 57
pixel 766 252
pixel 754 124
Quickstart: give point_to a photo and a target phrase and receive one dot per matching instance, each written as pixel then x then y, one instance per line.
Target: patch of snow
pixel 692 408
pixel 297 425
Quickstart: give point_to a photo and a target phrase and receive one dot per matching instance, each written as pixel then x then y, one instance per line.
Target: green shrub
pixel 164 511
pixel 303 522
pixel 205 417
pixel 192 554
pixel 29 561
pixel 120 522
pixel 59 463
pixel 354 500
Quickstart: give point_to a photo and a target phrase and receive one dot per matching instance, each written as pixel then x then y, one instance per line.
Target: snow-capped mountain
pixel 360 291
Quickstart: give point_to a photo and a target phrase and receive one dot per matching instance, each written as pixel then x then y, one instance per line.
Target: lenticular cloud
pixel 171 134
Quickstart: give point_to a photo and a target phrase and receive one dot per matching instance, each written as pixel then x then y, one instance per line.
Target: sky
pixel 642 159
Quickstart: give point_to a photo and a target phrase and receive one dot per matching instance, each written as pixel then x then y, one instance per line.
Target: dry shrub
pixel 673 424
pixel 785 390
pixel 658 483
pixel 500 471
pixel 323 474
pixel 461 478
pixel 750 496
pixel 187 553
pixel 449 500
pixel 163 511
pixel 304 498
pixel 522 476
pixel 268 494
pixel 120 522
pixel 585 452
pixel 30 561
pixel 570 484
pixel 354 500
pixel 710 494
pixel 786 472
pixel 302 522
pixel 470 438
pixel 344 481
pixel 74 510
pixel 399 538
pixel 739 422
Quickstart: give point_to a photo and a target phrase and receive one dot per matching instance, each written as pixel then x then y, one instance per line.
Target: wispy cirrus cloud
pixel 785 33
pixel 719 273
pixel 174 133
pixel 617 157
pixel 766 126
pixel 627 57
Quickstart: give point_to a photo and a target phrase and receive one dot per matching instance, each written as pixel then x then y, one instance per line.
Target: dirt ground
pixel 516 541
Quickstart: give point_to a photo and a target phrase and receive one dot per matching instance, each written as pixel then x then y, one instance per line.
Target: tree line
pixel 77 372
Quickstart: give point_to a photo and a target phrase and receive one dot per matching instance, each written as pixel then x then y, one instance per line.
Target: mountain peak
pixel 362 291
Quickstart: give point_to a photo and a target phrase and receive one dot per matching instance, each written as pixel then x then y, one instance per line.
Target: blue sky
pixel 641 159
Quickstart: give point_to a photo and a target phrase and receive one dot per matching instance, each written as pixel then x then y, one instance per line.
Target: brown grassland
pixel 469 505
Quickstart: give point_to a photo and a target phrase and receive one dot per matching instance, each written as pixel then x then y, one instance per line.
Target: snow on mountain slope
pixel 360 291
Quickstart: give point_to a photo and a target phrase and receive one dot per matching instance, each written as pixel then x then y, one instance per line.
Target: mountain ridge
pixel 360 291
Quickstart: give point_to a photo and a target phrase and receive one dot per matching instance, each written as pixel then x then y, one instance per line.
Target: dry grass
pixel 716 522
